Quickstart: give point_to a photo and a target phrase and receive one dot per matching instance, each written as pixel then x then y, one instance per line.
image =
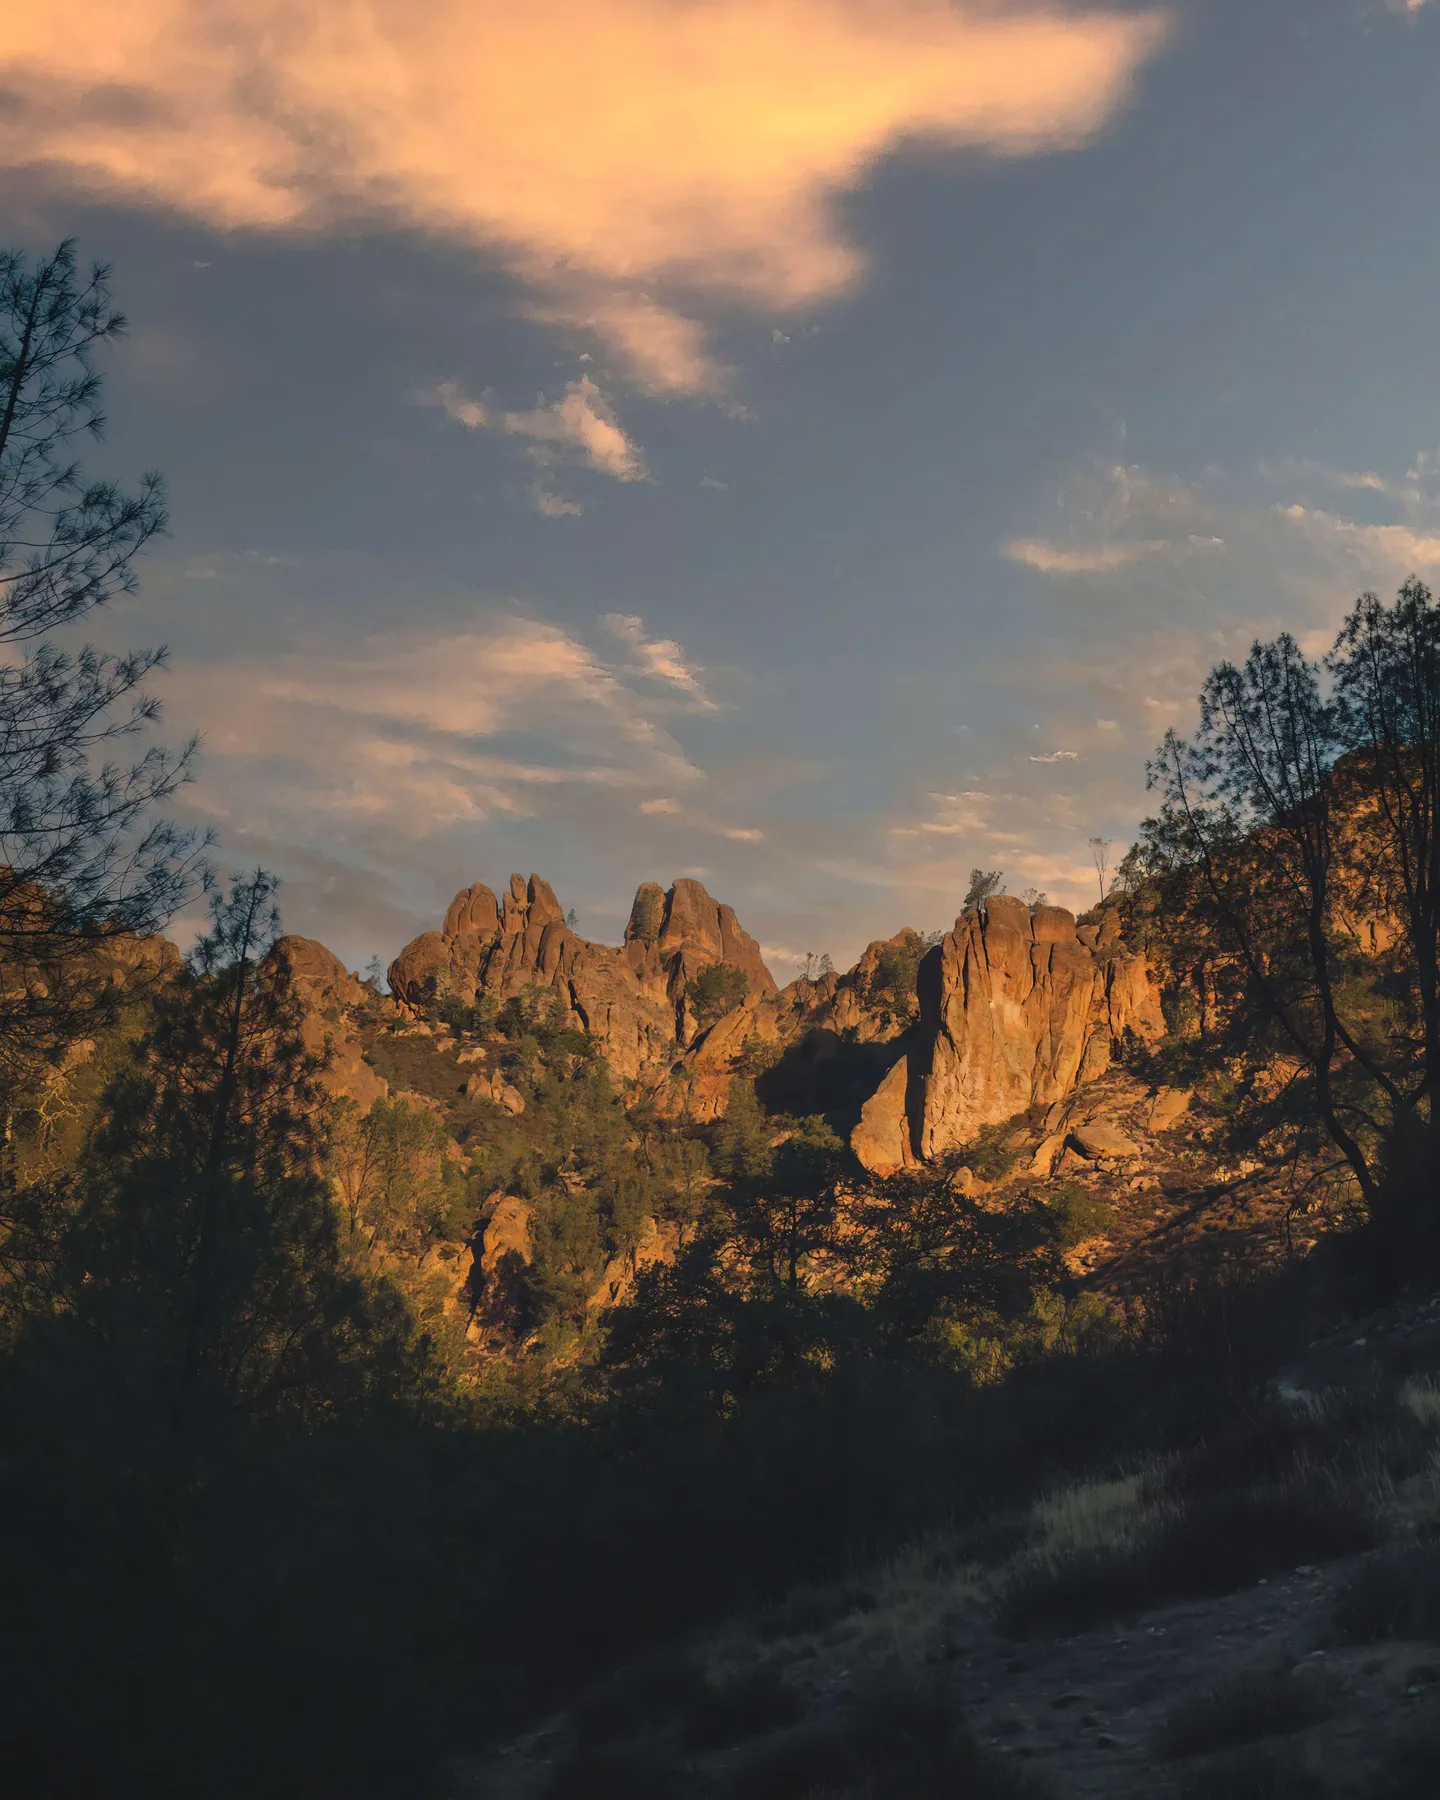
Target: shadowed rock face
pixel 815 1039
pixel 630 998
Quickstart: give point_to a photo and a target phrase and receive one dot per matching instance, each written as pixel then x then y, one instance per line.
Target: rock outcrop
pixel 328 995
pixel 827 1031
pixel 882 1139
pixel 630 998
pixel 1018 1006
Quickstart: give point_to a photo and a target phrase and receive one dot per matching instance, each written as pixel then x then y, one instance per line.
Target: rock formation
pixel 1017 1007
pixel 328 994
pixel 631 999
pixel 827 1031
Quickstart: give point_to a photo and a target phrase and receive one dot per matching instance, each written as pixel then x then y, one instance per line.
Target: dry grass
pixel 1211 1544
pixel 1094 1515
pixel 902 1609
pixel 1420 1397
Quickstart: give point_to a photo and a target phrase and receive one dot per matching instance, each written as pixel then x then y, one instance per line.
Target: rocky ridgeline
pixel 631 999
pixel 1015 1008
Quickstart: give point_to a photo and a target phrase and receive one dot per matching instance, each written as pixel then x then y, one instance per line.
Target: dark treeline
pixel 265 1531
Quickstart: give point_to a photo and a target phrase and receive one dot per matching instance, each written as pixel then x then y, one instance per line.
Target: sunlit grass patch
pixel 1094 1515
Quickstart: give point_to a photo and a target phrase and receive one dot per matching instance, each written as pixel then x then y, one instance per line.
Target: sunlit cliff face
pixel 596 145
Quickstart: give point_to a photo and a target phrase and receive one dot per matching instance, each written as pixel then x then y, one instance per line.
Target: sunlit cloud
pixel 581 423
pixel 554 506
pixel 1097 559
pixel 598 149
pixel 1399 549
pixel 418 735
pixel 659 659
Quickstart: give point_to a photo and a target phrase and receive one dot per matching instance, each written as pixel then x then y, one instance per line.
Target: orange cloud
pixel 598 145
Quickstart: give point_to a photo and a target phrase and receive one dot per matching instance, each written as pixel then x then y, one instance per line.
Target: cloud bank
pixel 599 146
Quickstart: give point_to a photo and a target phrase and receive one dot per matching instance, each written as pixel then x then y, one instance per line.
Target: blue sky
pixel 812 444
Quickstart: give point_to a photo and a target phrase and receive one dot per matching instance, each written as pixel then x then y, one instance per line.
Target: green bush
pixel 992 1153
pixel 716 991
pixel 1082 1214
pixel 891 986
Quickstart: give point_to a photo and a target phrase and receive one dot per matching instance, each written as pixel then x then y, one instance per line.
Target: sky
pixel 817 446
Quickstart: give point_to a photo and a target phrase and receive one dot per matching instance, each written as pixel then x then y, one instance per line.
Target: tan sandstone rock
pixel 656 1243
pixel 630 998
pixel 1100 1141
pixel 328 994
pixel 1016 1011
pixel 881 1141
pixel 507 1233
pixel 1167 1106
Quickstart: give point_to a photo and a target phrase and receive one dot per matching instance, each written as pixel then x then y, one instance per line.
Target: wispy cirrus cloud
pixel 659 659
pixel 419 734
pixel 1155 578
pixel 596 149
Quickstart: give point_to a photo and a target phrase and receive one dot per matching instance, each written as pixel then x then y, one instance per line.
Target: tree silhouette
pixel 1100 856
pixel 983 884
pixel 82 859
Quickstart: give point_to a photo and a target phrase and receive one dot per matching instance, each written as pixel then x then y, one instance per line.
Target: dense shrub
pixel 1259 1776
pixel 1245 1708
pixel 742 1707
pixel 900 1738
pixel 1394 1595
pixel 618 1772
pixel 650 1692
